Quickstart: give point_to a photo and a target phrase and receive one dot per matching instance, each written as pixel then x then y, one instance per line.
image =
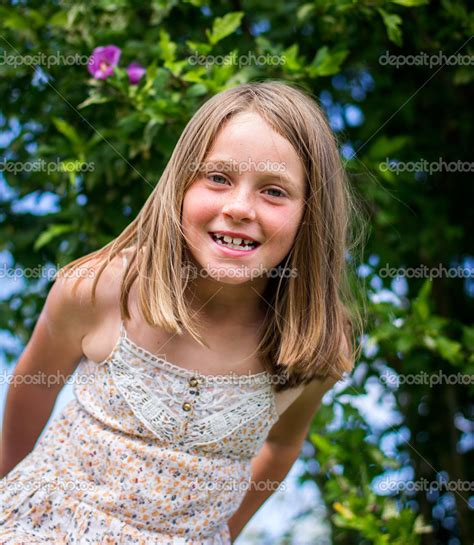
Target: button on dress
pixel 147 452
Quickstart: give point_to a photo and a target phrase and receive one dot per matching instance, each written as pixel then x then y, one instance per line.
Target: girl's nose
pixel 239 209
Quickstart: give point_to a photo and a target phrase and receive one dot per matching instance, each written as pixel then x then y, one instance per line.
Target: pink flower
pixel 103 60
pixel 135 72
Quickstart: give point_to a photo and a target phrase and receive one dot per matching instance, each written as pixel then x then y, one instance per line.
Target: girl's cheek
pixel 201 199
pixel 194 205
pixel 279 221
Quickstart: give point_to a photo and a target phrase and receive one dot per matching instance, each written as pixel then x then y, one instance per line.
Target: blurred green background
pixel 391 449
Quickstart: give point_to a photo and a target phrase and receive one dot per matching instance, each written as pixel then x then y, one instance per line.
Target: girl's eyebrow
pixel 230 165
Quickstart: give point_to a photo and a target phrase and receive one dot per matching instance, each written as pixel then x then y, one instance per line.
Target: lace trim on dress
pixel 184 406
pixel 187 406
pixel 213 418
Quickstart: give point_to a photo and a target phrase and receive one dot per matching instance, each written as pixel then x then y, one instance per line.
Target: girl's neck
pixel 225 304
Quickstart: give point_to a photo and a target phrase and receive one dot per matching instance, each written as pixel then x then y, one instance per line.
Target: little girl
pixel 204 337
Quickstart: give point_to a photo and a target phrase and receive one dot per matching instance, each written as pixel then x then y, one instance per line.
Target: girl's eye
pixel 278 190
pixel 216 176
pixel 213 177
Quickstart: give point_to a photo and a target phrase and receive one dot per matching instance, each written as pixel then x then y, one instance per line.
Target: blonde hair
pixel 312 331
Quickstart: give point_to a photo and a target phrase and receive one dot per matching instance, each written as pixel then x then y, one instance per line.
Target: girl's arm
pixel 279 452
pixel 51 355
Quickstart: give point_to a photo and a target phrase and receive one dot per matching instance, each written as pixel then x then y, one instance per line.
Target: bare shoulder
pixel 74 291
pixel 69 309
pixel 101 331
pixel 68 317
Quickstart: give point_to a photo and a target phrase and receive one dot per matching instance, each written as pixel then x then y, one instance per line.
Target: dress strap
pixel 123 331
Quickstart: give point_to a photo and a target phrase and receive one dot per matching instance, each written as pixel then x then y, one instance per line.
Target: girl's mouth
pixel 231 248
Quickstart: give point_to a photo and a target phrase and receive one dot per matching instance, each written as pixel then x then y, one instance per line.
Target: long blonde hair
pixel 311 333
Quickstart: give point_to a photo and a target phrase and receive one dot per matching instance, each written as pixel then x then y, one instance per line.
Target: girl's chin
pixel 228 273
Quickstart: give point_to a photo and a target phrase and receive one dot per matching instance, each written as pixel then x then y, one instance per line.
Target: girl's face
pixel 258 194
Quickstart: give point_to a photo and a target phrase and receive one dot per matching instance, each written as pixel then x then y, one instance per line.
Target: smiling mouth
pixel 244 247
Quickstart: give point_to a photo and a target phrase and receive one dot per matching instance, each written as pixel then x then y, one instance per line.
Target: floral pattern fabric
pixel 147 452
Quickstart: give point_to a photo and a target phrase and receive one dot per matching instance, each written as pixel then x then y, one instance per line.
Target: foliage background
pixel 380 111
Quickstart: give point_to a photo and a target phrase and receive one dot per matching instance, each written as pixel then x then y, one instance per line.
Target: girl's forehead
pixel 244 121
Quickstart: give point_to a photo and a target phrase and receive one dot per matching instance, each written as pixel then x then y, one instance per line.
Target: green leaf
pixel 429 342
pixel 196 75
pixel 196 90
pixel 420 527
pixel 58 19
pixel 131 122
pixel 425 290
pixel 199 47
pixel 421 304
pixel 327 63
pixel 325 447
pixel 463 76
pixel 405 343
pixel 342 510
pixel 468 337
pixel 224 26
pixel 449 350
pixel 305 11
pixel 93 99
pixel 150 130
pixel 155 115
pixel 410 3
pixel 384 146
pixel 421 309
pixel 197 3
pixel 290 57
pixel 69 132
pixel 392 23
pixel 264 44
pixel 11 18
pixel 168 47
pixel 35 17
pixel 52 232
pixel 176 67
pixel 151 75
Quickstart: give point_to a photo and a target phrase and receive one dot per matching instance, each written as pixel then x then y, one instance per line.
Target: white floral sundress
pixel 147 453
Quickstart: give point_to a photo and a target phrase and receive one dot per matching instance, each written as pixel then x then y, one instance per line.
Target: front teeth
pixel 234 243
